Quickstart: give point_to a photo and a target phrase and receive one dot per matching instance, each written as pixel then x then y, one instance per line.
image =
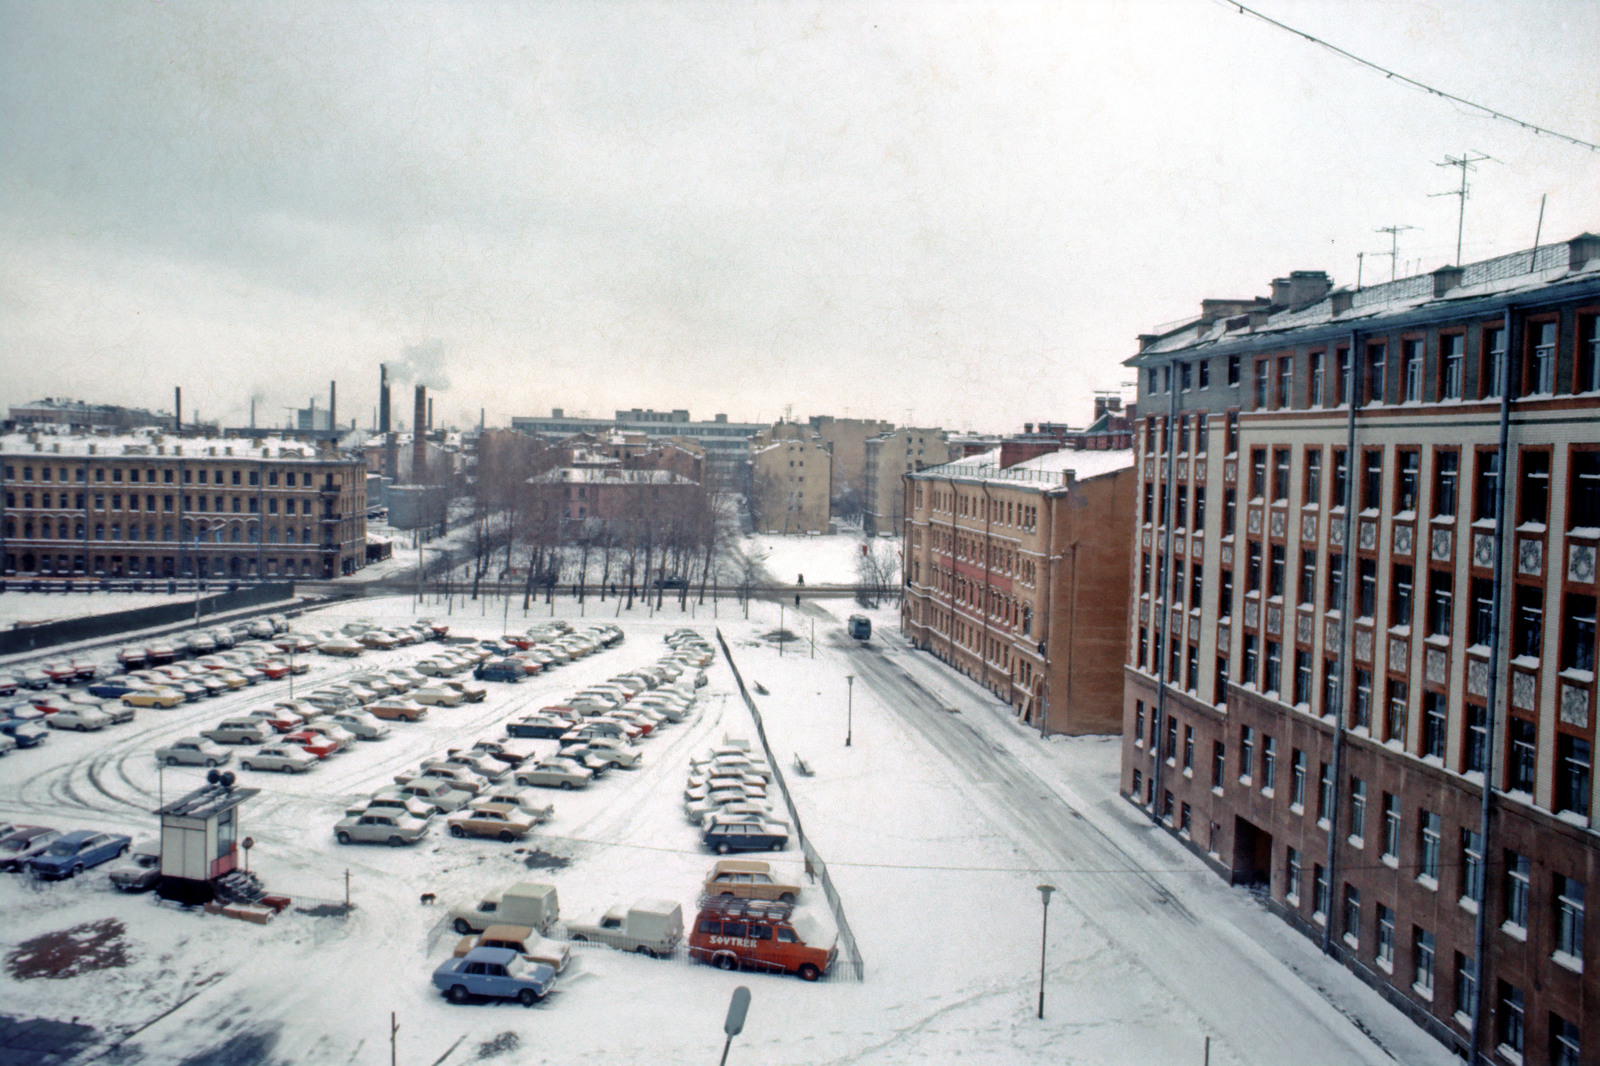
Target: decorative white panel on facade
pixel 1482 549
pixel 1435 665
pixel 1280 524
pixel 1308 527
pixel 1222 636
pixel 1524 690
pixel 1332 637
pixel 1439 549
pixel 1197 548
pixel 1336 533
pixel 1397 652
pixel 1147 538
pixel 1575 706
pixel 1580 563
pixel 1403 539
pixel 1183 469
pixel 1477 677
pixel 1252 614
pixel 1302 628
pixel 1230 471
pixel 1530 556
pixel 1274 619
pixel 1369 536
pixel 1227 555
pixel 1364 645
pixel 1253 522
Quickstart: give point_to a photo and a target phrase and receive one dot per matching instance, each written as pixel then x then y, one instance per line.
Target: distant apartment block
pixel 51 411
pixel 1361 645
pixel 791 483
pixel 888 458
pixel 150 505
pixel 726 443
pixel 1016 573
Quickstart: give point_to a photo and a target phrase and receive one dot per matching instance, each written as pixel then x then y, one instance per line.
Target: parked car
pixel 508 670
pixel 22 844
pixel 73 853
pixel 523 903
pixel 733 934
pixel 284 756
pixel 434 792
pixel 725 836
pixel 606 750
pixel 479 762
pixel 553 773
pixel 79 718
pixel 392 800
pixel 238 731
pixel 522 939
pixel 192 751
pixel 397 709
pixel 116 710
pixel 279 718
pixel 538 725
pixel 158 696
pixel 142 870
pixel 649 926
pixel 525 802
pixel 509 752
pixel 380 827
pixel 24 726
pixel 311 743
pixel 341 647
pixel 457 776
pixel 336 733
pixel 495 973
pixel 438 696
pixel 502 821
pixel 749 879
pixel 470 692
pixel 359 724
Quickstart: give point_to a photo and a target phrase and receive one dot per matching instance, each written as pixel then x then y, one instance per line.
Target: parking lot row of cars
pixel 52 855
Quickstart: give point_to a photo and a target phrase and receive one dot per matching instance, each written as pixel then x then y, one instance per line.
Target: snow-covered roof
pixel 1048 469
pixel 588 475
pixel 138 443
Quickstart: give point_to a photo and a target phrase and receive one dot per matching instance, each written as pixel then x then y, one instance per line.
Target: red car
pixel 518 641
pixel 289 642
pixel 529 667
pixel 313 743
pixel 278 718
pixel 47 704
pixel 84 670
pixel 59 671
pixel 275 670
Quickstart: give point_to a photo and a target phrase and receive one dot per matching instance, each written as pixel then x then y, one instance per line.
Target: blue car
pixel 494 973
pixel 114 688
pixel 76 852
pixel 25 725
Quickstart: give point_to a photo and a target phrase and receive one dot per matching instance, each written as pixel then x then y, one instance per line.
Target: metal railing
pixel 849 962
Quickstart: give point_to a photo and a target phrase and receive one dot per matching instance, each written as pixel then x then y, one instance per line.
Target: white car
pixel 360 724
pixel 80 718
pixel 342 647
pixel 524 801
pixel 438 695
pixel 192 751
pixel 285 758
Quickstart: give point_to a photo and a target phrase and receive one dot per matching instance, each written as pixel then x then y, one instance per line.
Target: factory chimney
pixel 177 409
pixel 383 398
pixel 333 406
pixel 430 414
pixel 419 440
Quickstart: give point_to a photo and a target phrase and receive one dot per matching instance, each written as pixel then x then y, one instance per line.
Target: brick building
pixel 1381 508
pixel 149 505
pixel 1016 573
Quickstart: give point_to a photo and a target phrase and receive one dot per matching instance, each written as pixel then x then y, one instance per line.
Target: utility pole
pixel 1466 161
pixel 1394 245
pixel 394 1027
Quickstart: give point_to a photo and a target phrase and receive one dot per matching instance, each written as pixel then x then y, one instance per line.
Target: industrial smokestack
pixel 419 441
pixel 383 398
pixel 252 412
pixel 177 409
pixel 333 405
pixel 430 414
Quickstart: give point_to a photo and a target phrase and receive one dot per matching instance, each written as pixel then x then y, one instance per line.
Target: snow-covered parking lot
pixel 937 823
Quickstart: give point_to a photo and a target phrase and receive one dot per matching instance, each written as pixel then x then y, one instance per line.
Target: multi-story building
pixel 1367 529
pixel 791 482
pixel 726 444
pixel 846 440
pixel 52 411
pixel 609 493
pixel 151 505
pixel 888 458
pixel 1016 573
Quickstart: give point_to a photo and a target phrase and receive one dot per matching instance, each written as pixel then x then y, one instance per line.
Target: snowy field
pixel 937 822
pixel 824 560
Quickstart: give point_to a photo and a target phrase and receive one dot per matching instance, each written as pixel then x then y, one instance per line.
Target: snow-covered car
pixel 457 776
pixel 524 940
pixel 392 800
pixel 481 763
pixel 437 696
pixel 22 844
pixel 434 792
pixel 553 773
pixel 79 718
pixel 524 802
pixel 605 750
pixel 282 756
pixel 396 709
pixel 336 733
pixel 359 724
pixel 142 870
pixel 311 743
pixel 470 691
pixel 341 647
pixel 377 639
pixel 73 853
pixel 192 751
pixel 538 726
pixel 161 696
pixel 380 827
pixel 379 684
pixel 279 718
pixel 238 731
pixel 306 710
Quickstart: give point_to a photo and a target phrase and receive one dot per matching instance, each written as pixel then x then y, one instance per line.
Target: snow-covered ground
pixel 937 822
pixel 826 559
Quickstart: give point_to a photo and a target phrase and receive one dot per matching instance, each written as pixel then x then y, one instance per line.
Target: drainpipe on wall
pixel 1163 660
pixel 950 637
pixel 1486 804
pixel 1346 630
pixel 1045 608
pixel 988 521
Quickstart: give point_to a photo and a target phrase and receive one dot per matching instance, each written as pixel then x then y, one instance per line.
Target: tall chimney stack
pixel 430 414
pixel 252 412
pixel 177 409
pixel 419 440
pixel 383 398
pixel 333 406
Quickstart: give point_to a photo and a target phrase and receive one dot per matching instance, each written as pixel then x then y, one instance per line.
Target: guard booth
pixel 200 839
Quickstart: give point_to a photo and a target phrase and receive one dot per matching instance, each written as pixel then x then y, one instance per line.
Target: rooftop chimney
pixel 1301 288
pixel 1581 249
pixel 1445 279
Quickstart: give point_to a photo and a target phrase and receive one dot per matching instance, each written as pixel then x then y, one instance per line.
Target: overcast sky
pixel 955 214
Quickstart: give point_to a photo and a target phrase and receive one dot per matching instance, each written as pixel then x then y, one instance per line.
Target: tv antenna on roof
pixel 1466 161
pixel 1394 244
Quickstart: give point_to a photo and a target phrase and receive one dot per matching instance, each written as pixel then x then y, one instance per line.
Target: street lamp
pixel 849 707
pixel 1044 893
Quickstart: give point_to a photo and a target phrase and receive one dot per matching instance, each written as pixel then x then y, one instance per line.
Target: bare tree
pixel 877 572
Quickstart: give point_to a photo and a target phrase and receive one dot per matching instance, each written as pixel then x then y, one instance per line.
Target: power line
pixel 1396 76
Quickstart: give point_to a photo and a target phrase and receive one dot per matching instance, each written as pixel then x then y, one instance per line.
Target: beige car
pixel 499 821
pixel 749 879
pixel 522 939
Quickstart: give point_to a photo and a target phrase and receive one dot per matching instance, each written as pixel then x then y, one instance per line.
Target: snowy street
pixel 937 823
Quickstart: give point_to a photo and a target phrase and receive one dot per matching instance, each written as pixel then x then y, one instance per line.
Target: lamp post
pixel 1044 929
pixel 849 707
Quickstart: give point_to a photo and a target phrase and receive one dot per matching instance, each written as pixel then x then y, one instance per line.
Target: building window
pixel 1263 369
pixel 1411 371
pixel 1269 763
pixel 1341 479
pixel 1491 382
pixel 1225 595
pixel 1274 678
pixel 1247 748
pixel 1308 579
pixel 1524 748
pixel 1577 645
pixel 1475 755
pixel 1564 1043
pixel 1573 764
pixel 1372 390
pixel 1280 475
pixel 1516 890
pixel 1286 382
pixel 1275 571
pixel 1297 778
pixel 1335 582
pixel 1252 569
pixel 1511 1027
pixel 1372 479
pixel 1400 585
pixel 1233 370
pixel 1433 724
pixel 1185 814
pixel 1397 711
pixel 1535 494
pixel 1188 748
pixel 1542 362
pixel 1528 623
pixel 1352 914
pixel 1482 611
pixel 1472 865
pixel 1569 918
pixel 1249 659
pixel 1486 489
pixel 1324 793
pixel 1422 961
pixel 1429 839
pixel 1314 396
pixel 1358 808
pixel 1368 589
pixel 1385 942
pixel 1258 473
pixel 1200 507
pixel 1302 677
pixel 1230 502
pixel 1138 783
pixel 1408 463
pixel 1319 892
pixel 1219 764
pixel 1466 986
pixel 1451 347
pixel 1391 826
pixel 1172 738
pixel 1291 876
pixel 1446 476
